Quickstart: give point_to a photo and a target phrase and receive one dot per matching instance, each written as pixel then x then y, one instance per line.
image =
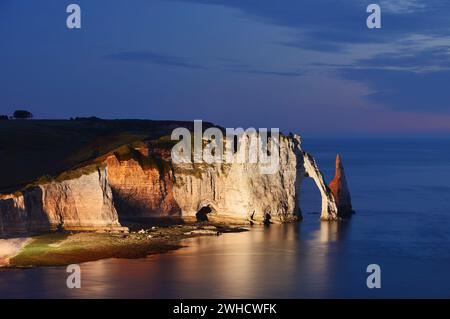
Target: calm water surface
pixel 401 191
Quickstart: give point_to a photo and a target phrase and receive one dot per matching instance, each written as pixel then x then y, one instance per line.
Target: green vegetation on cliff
pixel 48 150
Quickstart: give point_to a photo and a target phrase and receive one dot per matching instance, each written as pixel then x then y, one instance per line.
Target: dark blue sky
pixel 307 66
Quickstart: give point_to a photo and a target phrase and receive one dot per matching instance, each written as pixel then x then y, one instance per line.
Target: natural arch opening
pixel 329 209
pixel 311 198
pixel 202 214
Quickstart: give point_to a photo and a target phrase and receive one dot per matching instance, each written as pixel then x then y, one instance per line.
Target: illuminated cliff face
pixel 148 185
pixel 141 191
pixel 144 183
pixel 83 203
pixel 240 191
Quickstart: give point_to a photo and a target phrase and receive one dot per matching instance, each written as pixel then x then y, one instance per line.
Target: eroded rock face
pixel 239 191
pixel 141 191
pixel 340 191
pixel 83 203
pixel 226 192
pixel 143 183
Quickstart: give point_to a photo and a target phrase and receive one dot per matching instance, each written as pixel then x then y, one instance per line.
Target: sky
pixel 307 66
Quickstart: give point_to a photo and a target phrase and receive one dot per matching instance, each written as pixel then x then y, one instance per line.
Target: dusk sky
pixel 304 66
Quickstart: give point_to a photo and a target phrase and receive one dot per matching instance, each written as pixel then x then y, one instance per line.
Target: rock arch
pixel 329 209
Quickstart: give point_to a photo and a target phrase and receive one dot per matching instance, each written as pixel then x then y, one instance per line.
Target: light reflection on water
pixel 310 259
pixel 265 262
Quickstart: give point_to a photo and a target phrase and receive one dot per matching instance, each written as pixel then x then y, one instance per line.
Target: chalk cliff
pixel 82 203
pixel 141 190
pixel 241 191
pixel 149 185
pixel 142 182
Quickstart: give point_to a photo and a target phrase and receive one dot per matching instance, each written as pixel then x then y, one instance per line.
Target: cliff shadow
pixel 24 220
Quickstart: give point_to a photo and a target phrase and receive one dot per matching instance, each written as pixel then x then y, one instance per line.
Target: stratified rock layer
pixel 240 191
pixel 83 203
pixel 340 191
pixel 142 191
pixel 142 182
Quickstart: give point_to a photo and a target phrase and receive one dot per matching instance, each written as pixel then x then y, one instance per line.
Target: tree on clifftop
pixel 22 115
pixel 3 117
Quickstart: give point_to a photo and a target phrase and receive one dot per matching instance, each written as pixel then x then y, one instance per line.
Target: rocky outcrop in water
pixel 340 191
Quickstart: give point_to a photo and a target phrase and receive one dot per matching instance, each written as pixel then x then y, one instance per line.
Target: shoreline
pixel 9 248
pixel 65 248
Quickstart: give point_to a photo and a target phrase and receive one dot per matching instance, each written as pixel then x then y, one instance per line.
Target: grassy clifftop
pixel 32 149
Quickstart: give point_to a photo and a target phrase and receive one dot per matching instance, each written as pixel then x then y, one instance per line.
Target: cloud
pixel 412 77
pixel 154 58
pixel 404 90
pixel 405 65
pixel 276 73
pixel 428 60
pixel 235 65
pixel 326 25
pixel 229 65
pixel 403 6
pixel 411 56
